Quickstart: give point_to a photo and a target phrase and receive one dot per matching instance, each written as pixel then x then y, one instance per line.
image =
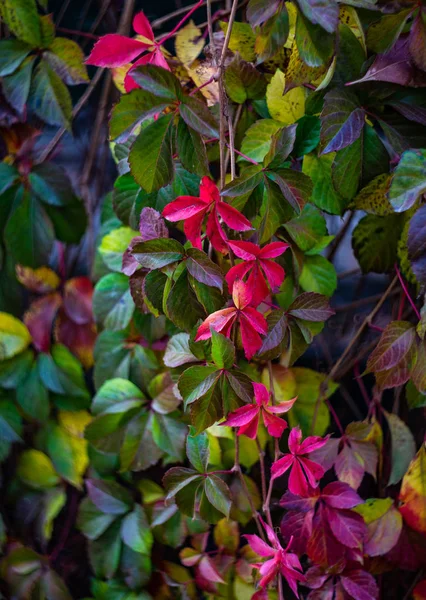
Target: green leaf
pixel 308 390
pixel 218 494
pixel 382 34
pixel 198 451
pixel 372 198
pixel 415 399
pixel 32 396
pixel 132 110
pixel 51 184
pixel 178 351
pixel 191 150
pixel 258 138
pixel 10 427
pixel 307 135
pixel 138 451
pixel 375 242
pixel 347 168
pixel 296 187
pixel 318 168
pixel 308 228
pixel 135 531
pixel 281 146
pixel 12 54
pixel 112 302
pixel 409 180
pixel 67 59
pixel 315 47
pixel 203 269
pixel 158 81
pixel 69 221
pixel 286 107
pixel 125 197
pixel 54 501
pixel 22 19
pixel 272 35
pixel 150 157
pixel 105 552
pixel 246 182
pixel 113 246
pixel 8 176
pixel 158 253
pixel 47 29
pixel 318 275
pixel 29 233
pixel 109 497
pixel 177 478
pixel 14 336
pixel 223 351
pixel 403 447
pixel 198 117
pixel 196 381
pixel 182 306
pixel 243 81
pixel 63 374
pixel 36 470
pixel 169 434
pixel 49 98
pixel 91 521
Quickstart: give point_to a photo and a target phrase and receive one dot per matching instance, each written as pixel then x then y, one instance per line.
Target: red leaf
pixel 39 320
pixel 340 495
pixel 114 50
pixel 323 548
pixel 142 26
pixel 80 339
pixel 347 526
pixel 78 294
pixel 360 585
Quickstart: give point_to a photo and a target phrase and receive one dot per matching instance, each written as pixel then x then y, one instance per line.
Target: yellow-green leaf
pixel 36 470
pixel 14 336
pixel 285 108
pixel 188 43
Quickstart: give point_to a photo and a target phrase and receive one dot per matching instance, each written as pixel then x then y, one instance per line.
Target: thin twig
pixel 98 20
pixel 176 13
pixel 407 293
pixel 62 12
pixel 339 237
pixel 348 349
pixel 181 22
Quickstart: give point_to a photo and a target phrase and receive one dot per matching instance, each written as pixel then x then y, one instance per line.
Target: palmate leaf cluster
pixel 116 376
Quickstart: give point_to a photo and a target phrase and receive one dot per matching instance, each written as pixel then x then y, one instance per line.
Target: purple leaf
pixel 342 120
pixel 152 225
pixel 311 307
pixel 417 244
pixel 395 66
pixel 394 344
pixel 340 495
pixel 360 585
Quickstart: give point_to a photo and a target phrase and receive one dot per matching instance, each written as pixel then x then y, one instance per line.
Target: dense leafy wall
pixel 161 433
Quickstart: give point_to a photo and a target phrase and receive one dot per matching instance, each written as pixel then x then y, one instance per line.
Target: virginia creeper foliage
pixel 183 413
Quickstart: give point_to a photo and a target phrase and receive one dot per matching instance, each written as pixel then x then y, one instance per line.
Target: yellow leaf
pixel 74 422
pixel 284 382
pixel 201 72
pixel 118 76
pixel 36 470
pixel 42 280
pixel 292 18
pixel 285 108
pixel 348 16
pixel 188 43
pixel 413 493
pixel 242 40
pixel 14 336
pixel 373 508
pixel 298 72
